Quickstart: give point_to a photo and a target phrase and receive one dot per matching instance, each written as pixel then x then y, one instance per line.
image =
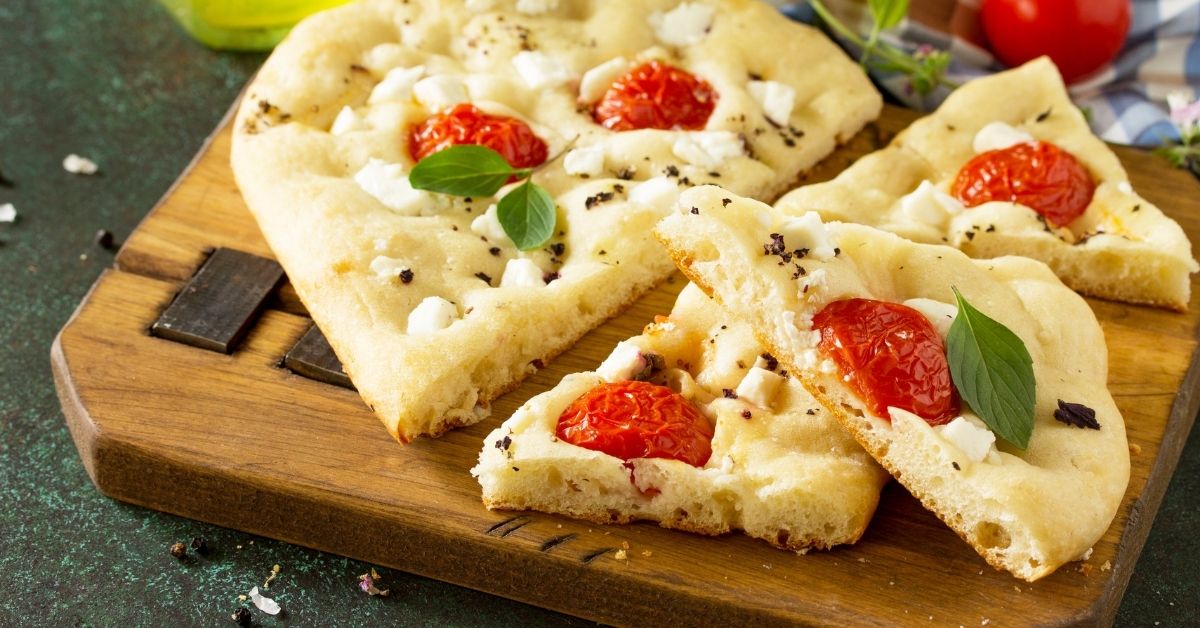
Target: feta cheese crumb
pixel 522 272
pixel 346 121
pixel 1086 555
pixel 390 185
pixel 536 7
pixel 596 81
pixel 8 212
pixel 388 267
pixel 432 314
pixel 998 135
pixel 439 92
pixel 75 164
pixel 759 387
pixel 708 149
pixel 777 99
pixel 539 69
pixel 657 192
pixel 588 161
pixel 1124 187
pixel 487 225
pixel 686 24
pixel 623 363
pixel 809 232
pixel 397 85
pixel 969 434
pixel 264 604
pixel 929 205
pixel 939 313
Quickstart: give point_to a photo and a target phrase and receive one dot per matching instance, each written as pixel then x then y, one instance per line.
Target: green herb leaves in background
pixel 527 213
pixel 993 372
pixel 887 14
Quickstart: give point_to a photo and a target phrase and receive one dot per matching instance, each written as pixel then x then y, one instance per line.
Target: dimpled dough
pixel 343 249
pixel 1025 511
pixel 1122 247
pixel 794 479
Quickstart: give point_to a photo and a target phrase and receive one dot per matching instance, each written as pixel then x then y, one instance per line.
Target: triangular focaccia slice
pixel 781 468
pixel 321 151
pixel 1024 511
pixel 1122 246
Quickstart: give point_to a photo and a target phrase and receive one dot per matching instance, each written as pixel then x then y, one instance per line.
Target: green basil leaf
pixel 463 170
pixel 527 214
pixel 888 13
pixel 993 372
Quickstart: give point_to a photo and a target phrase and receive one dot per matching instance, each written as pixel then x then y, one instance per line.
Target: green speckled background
pixel 118 82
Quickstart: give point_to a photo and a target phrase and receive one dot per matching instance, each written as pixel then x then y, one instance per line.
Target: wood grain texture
pixel 242 442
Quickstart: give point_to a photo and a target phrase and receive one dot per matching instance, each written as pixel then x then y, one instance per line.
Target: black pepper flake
pixel 800 272
pixel 811 412
pixel 548 277
pixel 696 211
pixel 990 228
pixel 596 199
pixel 1076 414
pixel 754 76
pixel 836 251
pixel 746 415
pixel 726 201
pixel 618 188
pixel 789 142
pixel 671 171
pixel 1137 207
pixel 242 616
pixel 179 550
pixel 626 173
pixel 1041 117
pixel 538 364
pixel 354 67
pixel 714 174
pixel 772 363
pixel 504 443
pixel 602 252
pixel 655 363
pixel 104 239
pixel 741 364
pixel 516 469
pixel 466 199
pixel 199 545
pixel 970 235
pixel 777 247
pixel 955 465
pixel 485 278
pixel 406 275
pixel 558 248
pixel 685 181
pixel 728 393
pixel 495 250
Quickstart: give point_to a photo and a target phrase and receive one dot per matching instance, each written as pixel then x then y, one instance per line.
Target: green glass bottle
pixel 242 24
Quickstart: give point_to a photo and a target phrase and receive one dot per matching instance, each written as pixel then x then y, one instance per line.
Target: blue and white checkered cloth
pixel 1127 99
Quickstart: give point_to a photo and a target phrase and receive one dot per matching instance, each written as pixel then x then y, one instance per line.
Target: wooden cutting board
pixel 240 441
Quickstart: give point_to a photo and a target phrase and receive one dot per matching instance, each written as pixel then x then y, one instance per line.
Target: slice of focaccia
pixel 1024 511
pixel 430 306
pixel 1119 247
pixel 780 468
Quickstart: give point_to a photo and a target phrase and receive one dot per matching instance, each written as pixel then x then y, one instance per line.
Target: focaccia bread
pixel 430 307
pixel 1122 247
pixel 781 468
pixel 1024 511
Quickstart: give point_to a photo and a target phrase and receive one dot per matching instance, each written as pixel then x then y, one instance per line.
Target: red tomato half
pixel 655 95
pixel 892 356
pixel 634 419
pixel 1080 36
pixel 1038 175
pixel 466 124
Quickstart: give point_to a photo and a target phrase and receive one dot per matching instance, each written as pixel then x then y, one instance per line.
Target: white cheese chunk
pixel 440 91
pixel 808 232
pixel 536 7
pixel 776 99
pixel 487 225
pixel 388 267
pixel 397 84
pixel 623 363
pixel 929 206
pixel 708 149
pixel 389 185
pixel 970 435
pixel 759 387
pixel 656 192
pixel 585 161
pixel 75 164
pixel 684 25
pixel 522 272
pixel 939 313
pixel 540 70
pixel 596 81
pixel 432 314
pixel 998 135
pixel 8 212
pixel 1124 187
pixel 346 121
pixel 479 6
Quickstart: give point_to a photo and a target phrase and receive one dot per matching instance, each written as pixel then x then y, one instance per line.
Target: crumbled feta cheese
pixel 787 320
pixel 684 25
pixel 1124 187
pixel 522 272
pixel 588 161
pixel 397 85
pixel 390 185
pixel 708 149
pixel 759 387
pixel 596 81
pixel 929 205
pixel 487 225
pixel 346 121
pixel 381 245
pixel 815 280
pixel 8 212
pixel 264 604
pixel 657 192
pixel 776 99
pixel 827 367
pixel 997 135
pixel 808 232
pixel 75 164
pixel 432 314
pixel 939 313
pixel 535 7
pixel 970 435
pixel 479 6
pixel 439 92
pixel 539 69
pixel 623 363
pixel 388 267
pixel 1086 555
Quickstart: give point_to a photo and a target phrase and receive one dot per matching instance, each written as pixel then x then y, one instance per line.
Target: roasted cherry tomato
pixel 1038 175
pixel 891 355
pixel 633 419
pixel 466 124
pixel 1080 36
pixel 655 95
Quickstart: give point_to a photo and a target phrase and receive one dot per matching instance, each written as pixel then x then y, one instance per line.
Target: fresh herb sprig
pixel 925 68
pixel 1185 113
pixel 527 213
pixel 993 372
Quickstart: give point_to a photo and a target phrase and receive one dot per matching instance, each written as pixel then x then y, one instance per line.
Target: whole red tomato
pixel 1080 36
pixel 1038 175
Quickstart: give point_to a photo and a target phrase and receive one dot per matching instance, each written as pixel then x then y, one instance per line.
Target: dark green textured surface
pixel 116 81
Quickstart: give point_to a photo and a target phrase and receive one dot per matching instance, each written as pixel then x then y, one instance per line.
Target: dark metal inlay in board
pixel 216 307
pixel 312 357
